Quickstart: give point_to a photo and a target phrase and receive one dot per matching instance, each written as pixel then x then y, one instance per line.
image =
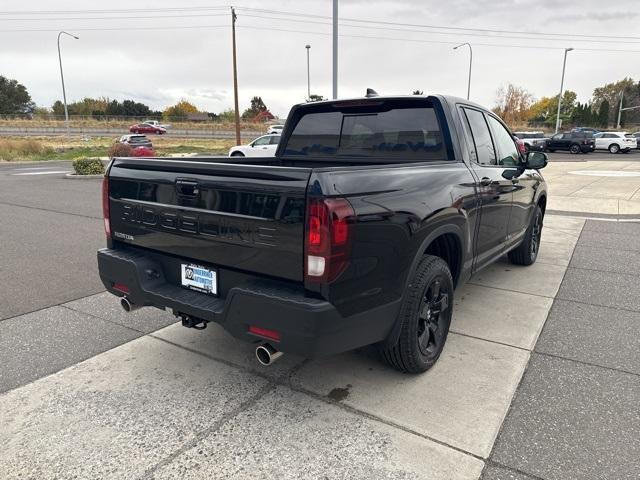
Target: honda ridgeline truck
pixel 357 232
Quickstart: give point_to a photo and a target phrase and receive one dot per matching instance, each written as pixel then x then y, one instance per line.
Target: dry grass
pixel 62 148
pixel 125 124
pixel 22 149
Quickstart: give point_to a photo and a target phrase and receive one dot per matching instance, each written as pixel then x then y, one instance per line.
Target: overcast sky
pixel 159 67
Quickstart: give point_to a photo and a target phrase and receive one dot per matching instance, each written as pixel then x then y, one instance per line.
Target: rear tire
pixel 614 148
pixel 237 154
pixel 425 317
pixel 527 252
pixel 550 150
pixel 575 149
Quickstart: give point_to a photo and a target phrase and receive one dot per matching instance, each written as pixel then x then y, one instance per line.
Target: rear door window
pixel 411 134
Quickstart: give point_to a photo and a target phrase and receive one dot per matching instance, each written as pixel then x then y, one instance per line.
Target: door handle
pixel 485 181
pixel 515 180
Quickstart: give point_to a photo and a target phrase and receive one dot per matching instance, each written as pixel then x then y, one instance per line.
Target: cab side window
pixel 485 152
pixel 505 145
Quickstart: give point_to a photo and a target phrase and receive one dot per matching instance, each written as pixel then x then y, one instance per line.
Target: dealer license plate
pixel 201 279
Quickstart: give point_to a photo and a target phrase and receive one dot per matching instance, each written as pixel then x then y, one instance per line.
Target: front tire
pixel 575 149
pixel 527 252
pixel 425 317
pixel 614 148
pixel 237 154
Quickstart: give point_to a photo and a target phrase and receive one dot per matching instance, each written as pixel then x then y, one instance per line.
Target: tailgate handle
pixel 187 188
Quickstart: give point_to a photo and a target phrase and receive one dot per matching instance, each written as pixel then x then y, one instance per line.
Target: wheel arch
pixel 446 242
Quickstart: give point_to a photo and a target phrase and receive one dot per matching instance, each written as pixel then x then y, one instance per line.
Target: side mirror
pixel 536 160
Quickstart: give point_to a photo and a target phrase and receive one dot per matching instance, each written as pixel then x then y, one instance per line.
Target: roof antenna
pixel 371 93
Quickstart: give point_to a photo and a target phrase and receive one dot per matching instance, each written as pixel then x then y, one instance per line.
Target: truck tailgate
pixel 240 216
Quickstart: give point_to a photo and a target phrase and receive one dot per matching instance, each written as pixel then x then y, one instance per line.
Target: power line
pixel 113 18
pixel 122 10
pixel 486 30
pixel 107 29
pixel 482 35
pixel 414 40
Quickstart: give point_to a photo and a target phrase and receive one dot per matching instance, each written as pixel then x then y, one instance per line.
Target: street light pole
pixel 335 49
pixel 64 93
pixel 308 47
pixel 470 65
pixel 564 65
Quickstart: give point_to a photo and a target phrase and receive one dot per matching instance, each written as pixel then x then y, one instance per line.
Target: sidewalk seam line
pixel 49 210
pixel 526 368
pixel 279 381
pixel 582 362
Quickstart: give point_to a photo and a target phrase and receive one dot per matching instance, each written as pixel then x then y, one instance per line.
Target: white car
pixel 615 141
pixel 277 129
pixel 264 146
pixel 156 123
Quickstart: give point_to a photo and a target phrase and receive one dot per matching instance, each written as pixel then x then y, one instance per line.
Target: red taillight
pixel 121 287
pixel 265 333
pixel 328 238
pixel 105 206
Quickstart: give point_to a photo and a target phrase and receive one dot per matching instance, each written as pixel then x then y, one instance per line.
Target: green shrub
pixel 120 150
pixel 88 166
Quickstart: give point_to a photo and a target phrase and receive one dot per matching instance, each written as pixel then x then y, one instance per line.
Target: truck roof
pixel 448 98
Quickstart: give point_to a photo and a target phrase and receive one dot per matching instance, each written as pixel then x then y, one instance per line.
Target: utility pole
pixel 470 65
pixel 308 47
pixel 564 64
pixel 620 109
pixel 235 75
pixel 64 93
pixel 335 49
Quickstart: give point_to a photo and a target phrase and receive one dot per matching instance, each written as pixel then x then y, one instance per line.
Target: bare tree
pixel 513 104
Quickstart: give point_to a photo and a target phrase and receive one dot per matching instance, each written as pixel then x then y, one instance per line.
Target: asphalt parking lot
pixel 550 391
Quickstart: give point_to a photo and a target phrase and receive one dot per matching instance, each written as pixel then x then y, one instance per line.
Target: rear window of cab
pixel 369 130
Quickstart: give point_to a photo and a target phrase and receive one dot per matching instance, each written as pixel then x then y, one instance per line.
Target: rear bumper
pixel 308 327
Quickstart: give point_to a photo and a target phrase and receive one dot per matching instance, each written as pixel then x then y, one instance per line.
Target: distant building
pixel 263 116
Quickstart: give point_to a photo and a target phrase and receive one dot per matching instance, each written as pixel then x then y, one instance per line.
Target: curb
pixel 73 176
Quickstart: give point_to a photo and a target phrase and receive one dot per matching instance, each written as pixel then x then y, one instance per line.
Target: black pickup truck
pixel 356 233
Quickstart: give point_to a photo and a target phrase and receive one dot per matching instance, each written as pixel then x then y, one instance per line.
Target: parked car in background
pixel 156 123
pixel 522 148
pixel 277 129
pixel 143 151
pixel 135 140
pixel 615 141
pixel 264 146
pixel 590 130
pixel 574 142
pixel 146 128
pixel 536 141
pixel 637 137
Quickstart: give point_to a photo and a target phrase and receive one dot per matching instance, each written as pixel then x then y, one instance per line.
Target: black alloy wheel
pixel 433 314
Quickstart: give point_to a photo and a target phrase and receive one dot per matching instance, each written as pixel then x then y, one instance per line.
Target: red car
pixel 143 152
pixel 146 128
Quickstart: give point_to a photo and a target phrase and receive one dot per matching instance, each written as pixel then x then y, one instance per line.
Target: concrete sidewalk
pixel 178 403
pixel 607 189
pixel 576 413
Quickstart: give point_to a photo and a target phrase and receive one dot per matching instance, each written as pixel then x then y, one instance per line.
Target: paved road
pixel 90 392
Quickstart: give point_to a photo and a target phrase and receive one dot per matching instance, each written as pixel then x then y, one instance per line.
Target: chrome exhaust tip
pixel 267 354
pixel 127 306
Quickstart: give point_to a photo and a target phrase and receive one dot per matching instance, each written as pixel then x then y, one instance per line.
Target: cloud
pixel 161 66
